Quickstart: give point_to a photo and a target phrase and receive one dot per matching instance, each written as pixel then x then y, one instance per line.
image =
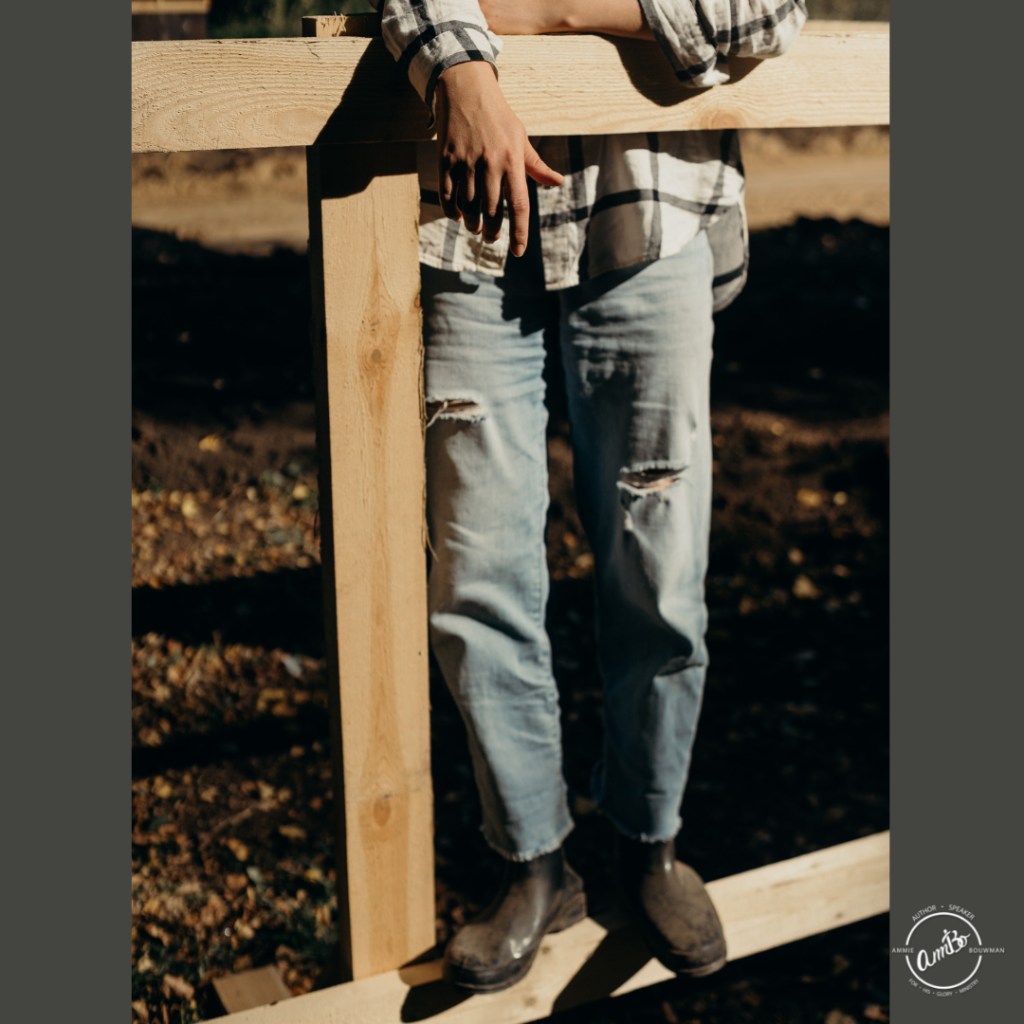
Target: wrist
pixel 467 72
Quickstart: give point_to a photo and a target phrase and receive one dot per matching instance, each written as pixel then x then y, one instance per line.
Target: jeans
pixel 636 348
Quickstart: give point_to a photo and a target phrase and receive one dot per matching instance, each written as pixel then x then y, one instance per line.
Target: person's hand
pixel 534 17
pixel 483 155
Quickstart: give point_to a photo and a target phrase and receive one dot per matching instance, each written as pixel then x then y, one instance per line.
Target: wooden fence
pixel 341 95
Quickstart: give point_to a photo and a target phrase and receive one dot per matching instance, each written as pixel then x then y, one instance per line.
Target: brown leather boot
pixel 497 948
pixel 677 918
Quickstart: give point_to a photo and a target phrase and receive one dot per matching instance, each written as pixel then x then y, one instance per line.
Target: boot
pixel 497 948
pixel 677 918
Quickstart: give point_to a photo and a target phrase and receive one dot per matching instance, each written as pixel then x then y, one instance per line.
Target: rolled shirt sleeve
pixel 428 36
pixel 693 34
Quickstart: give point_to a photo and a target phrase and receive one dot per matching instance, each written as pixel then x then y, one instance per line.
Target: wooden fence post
pixel 367 341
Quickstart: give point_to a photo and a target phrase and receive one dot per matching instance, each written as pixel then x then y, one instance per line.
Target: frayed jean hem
pixel 642 837
pixel 539 851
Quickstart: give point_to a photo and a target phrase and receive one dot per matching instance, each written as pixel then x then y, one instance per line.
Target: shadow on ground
pixel 792 751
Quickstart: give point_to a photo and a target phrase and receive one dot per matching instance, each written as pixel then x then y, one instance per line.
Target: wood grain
pixel 246 989
pixel 332 26
pixel 226 94
pixel 760 909
pixel 364 265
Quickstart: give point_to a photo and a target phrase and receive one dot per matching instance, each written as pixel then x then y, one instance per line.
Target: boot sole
pixel 673 961
pixel 573 912
pixel 660 949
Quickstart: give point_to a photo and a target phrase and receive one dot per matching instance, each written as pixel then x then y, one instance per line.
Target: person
pixel 628 246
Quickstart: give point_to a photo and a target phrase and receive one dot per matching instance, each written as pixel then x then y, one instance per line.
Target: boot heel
pixel 573 912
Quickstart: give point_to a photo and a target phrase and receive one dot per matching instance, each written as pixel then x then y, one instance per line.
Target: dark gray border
pixel 955 511
pixel 66 405
pixel 66 385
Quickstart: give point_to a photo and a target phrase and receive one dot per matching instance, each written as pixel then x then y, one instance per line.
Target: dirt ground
pixel 232 855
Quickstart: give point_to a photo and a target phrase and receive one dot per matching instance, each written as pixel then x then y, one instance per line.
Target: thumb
pixel 538 170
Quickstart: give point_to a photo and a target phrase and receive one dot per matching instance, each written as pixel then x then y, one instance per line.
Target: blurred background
pixel 232 802
pixel 240 19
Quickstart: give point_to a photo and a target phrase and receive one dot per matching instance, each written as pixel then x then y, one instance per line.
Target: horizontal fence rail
pixel 253 93
pixel 760 909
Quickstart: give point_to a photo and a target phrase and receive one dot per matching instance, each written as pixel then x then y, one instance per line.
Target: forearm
pixel 535 17
pixel 612 17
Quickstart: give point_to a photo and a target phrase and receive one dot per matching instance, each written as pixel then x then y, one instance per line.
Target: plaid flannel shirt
pixel 626 198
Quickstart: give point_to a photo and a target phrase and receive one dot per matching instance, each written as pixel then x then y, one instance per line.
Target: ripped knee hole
pixel 454 409
pixel 651 479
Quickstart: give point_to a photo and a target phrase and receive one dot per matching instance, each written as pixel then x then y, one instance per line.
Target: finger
pixel 493 205
pixel 469 198
pixel 447 187
pixel 538 170
pixel 518 212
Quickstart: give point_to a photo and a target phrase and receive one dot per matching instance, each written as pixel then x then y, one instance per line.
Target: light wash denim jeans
pixel 636 347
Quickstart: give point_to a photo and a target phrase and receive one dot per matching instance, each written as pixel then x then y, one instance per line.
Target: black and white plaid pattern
pixel 693 34
pixel 626 198
pixel 428 36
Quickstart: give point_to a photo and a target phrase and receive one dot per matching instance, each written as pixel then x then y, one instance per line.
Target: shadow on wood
pixel 377 74
pixel 620 955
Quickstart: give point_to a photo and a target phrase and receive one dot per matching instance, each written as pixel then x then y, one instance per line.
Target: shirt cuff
pixel 426 50
pixel 687 39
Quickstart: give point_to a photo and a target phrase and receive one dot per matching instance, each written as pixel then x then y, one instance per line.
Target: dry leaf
pixel 803 587
pixel 179 986
pixel 238 848
pixel 875 1012
pixel 162 934
pixel 292 832
pixel 838 1017
pixel 237 882
pixel 809 498
pixel 141 1010
pixel 313 874
pixel 795 555
pixel 210 443
pixel 840 498
pixel 292 665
